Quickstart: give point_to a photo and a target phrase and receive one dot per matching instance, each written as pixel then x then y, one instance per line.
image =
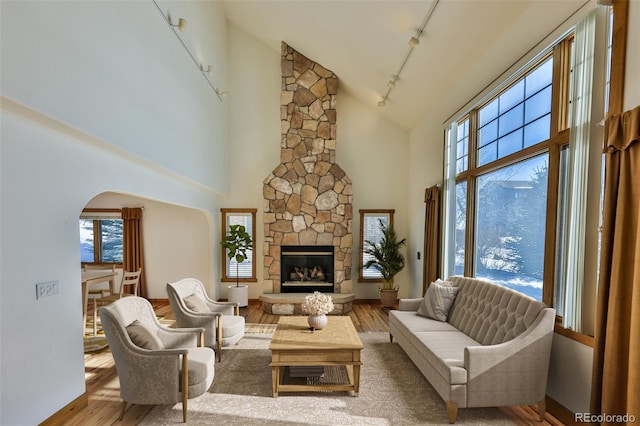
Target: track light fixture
pixel 208 70
pixel 414 41
pixel 181 25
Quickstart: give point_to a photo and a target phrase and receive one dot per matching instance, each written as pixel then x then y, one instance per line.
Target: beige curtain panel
pixel 616 373
pixel 133 253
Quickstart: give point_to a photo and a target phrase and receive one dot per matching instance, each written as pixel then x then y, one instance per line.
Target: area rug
pixel 392 392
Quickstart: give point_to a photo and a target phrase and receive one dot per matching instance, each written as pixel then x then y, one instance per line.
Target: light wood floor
pixel 103 387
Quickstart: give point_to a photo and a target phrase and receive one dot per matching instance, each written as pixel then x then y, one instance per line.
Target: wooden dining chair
pixel 99 292
pixel 128 287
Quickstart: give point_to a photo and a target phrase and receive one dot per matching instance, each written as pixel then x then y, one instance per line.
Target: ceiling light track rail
pixel 181 26
pixel 414 41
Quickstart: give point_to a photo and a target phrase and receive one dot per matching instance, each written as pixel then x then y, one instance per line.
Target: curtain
pixel 616 374
pixel 431 236
pixel 580 137
pixel 133 253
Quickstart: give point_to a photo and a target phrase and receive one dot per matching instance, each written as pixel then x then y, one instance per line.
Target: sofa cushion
pixel 201 363
pixel 142 337
pixel 438 300
pixel 414 322
pixel 196 303
pixel 232 329
pixel 445 352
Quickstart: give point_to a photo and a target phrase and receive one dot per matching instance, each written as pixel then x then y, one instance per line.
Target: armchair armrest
pixel 496 373
pixel 224 308
pixel 409 304
pixel 180 337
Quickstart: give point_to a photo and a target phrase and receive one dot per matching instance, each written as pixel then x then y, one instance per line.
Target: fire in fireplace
pixel 305 269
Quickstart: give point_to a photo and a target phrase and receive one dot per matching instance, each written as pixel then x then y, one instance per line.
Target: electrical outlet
pixel 46 289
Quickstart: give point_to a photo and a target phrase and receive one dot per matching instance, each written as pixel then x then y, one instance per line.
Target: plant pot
pixel 388 298
pixel 238 294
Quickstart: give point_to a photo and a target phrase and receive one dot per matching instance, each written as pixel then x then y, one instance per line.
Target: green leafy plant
pixel 386 255
pixel 238 242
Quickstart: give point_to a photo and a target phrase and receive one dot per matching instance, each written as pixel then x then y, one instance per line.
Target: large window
pixel 520 188
pixel 370 231
pixel 246 270
pixel 101 236
pixel 505 176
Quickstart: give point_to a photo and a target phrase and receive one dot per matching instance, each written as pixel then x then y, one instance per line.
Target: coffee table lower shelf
pixel 279 374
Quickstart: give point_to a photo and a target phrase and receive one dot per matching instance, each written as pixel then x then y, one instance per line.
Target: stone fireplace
pixel 308 197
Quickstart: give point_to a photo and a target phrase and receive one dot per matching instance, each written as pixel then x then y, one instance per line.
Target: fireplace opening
pixel 305 269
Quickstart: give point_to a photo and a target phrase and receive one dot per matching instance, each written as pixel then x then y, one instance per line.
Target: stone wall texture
pixel 308 198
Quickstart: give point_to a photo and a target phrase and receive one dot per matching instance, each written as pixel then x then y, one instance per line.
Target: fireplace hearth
pixel 306 269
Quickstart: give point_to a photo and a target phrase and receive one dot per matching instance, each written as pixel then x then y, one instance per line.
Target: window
pixel 505 151
pixel 101 234
pixel 518 118
pixel 246 270
pixel 370 231
pixel 510 223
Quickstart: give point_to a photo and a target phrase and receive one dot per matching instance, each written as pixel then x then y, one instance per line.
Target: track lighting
pixel 413 43
pixel 182 26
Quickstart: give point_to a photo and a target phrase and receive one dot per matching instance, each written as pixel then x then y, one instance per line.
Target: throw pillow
pixel 143 337
pixel 438 300
pixel 196 303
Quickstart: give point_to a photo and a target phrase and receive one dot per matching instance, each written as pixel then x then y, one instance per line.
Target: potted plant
pixel 237 242
pixel 388 260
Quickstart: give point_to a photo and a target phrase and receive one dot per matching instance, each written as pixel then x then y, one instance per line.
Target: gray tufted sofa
pixel 492 351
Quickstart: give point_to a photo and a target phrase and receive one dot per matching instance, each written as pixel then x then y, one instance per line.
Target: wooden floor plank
pixel 103 386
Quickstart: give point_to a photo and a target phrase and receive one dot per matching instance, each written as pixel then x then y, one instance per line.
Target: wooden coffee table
pixel 294 344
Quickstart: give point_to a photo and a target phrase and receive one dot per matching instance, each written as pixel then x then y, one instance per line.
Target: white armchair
pixel 193 308
pixel 155 364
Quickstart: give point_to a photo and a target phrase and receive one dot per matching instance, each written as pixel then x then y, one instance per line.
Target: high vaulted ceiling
pixel 466 44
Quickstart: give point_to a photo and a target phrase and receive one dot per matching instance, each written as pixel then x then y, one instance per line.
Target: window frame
pixel 363 214
pixel 223 252
pixel 94 215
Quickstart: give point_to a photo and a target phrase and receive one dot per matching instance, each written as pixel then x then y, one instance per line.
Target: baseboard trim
pixel 65 414
pixel 560 412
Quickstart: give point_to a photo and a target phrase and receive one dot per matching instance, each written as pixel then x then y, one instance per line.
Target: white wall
pixel 96 97
pixel 426 154
pixel 254 131
pixel 373 151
